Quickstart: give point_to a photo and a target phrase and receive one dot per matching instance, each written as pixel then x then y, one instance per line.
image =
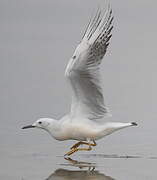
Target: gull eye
pixel 40 122
pixel 74 57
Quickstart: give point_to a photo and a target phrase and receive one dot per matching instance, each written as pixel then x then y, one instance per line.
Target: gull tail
pixel 134 124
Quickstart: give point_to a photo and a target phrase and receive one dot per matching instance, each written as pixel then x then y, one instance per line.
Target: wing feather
pixel 83 68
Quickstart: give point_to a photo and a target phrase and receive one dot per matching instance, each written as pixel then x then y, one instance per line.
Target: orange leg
pixel 81 142
pixel 78 149
pixel 75 148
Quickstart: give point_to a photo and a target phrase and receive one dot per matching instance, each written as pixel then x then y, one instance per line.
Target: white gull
pixel 86 119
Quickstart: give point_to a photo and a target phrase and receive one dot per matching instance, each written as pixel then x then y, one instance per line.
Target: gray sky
pixel 37 38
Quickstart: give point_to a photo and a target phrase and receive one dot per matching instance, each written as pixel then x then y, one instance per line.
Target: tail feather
pixel 134 123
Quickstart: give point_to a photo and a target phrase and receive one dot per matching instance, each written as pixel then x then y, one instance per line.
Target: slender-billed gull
pixel 86 120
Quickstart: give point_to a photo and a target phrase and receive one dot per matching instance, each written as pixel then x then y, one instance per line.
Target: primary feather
pixel 83 68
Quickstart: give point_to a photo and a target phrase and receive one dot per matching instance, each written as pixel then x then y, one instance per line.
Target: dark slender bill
pixel 29 126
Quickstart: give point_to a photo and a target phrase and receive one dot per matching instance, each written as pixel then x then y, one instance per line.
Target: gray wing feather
pixel 83 69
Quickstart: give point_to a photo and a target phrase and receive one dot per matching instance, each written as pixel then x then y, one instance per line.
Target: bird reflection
pixel 89 174
pixel 80 164
pixel 64 174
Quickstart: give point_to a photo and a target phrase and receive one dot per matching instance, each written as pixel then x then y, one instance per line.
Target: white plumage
pixel 83 68
pixel 88 104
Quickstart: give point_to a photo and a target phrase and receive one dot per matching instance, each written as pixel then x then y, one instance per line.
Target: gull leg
pixel 78 149
pixel 75 148
pixel 71 152
pixel 94 143
pixel 89 146
pixel 81 142
pixel 76 145
pixel 85 149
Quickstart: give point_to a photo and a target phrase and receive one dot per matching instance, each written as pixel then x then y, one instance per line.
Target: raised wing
pixel 83 68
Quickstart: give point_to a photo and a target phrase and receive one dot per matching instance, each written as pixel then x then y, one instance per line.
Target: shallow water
pixel 33 155
pixel 29 165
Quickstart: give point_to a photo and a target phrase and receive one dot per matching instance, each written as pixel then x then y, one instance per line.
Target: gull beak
pixel 29 126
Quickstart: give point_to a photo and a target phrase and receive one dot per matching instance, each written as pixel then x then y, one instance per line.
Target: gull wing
pixel 83 68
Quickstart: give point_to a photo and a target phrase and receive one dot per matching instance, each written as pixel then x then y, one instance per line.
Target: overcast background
pixel 37 38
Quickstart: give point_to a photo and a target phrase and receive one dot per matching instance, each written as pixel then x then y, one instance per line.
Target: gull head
pixel 41 123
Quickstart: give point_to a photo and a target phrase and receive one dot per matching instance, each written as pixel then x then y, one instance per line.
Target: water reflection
pixel 79 164
pixel 87 172
pixel 112 156
pixel 64 174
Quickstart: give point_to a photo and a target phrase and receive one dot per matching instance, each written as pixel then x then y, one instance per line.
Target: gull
pixel 85 122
